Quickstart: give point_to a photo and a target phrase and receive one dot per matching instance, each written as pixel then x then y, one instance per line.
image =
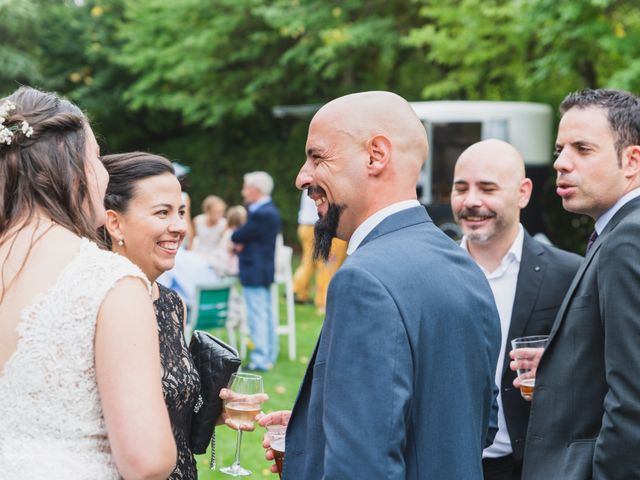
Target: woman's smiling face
pixel 153 226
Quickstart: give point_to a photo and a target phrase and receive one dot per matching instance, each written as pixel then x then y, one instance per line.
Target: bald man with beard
pixel 400 383
pixel 528 279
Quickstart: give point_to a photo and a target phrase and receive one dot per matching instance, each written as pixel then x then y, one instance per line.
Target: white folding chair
pixel 284 276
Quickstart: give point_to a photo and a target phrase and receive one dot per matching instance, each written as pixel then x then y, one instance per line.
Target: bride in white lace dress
pixel 80 391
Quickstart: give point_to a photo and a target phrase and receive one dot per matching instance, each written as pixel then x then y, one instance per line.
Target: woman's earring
pixel 121 241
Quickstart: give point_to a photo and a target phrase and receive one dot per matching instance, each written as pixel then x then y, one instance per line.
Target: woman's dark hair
pixel 125 171
pixel 47 169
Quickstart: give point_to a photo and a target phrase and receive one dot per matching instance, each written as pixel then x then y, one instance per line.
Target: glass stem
pixel 238 442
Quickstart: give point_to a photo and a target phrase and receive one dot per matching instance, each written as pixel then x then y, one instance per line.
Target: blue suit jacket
pixel 400 384
pixel 258 235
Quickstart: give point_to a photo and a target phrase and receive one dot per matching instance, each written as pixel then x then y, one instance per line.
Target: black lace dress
pixel 180 380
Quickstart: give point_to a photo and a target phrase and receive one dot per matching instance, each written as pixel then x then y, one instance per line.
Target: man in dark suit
pixel 585 414
pixel 400 383
pixel 256 242
pixel 528 278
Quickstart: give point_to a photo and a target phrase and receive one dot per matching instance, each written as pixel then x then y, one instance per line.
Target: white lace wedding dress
pixel 51 423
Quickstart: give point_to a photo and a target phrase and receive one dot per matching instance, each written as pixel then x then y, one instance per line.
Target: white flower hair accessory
pixel 6 133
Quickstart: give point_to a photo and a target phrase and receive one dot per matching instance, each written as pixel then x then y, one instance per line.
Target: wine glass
pixel 242 407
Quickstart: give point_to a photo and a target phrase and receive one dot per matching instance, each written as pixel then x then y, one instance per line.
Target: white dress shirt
pixel 503 282
pixel 374 220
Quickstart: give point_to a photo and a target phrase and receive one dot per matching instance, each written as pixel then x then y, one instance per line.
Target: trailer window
pixel 448 141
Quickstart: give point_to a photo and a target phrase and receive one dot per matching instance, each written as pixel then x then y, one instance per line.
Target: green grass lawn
pixel 281 384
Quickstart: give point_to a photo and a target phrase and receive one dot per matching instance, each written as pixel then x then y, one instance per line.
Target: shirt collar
pixel 374 220
pixel 258 203
pixel 602 221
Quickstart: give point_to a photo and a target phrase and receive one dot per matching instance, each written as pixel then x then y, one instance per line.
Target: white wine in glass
pixel 242 407
pixel 244 414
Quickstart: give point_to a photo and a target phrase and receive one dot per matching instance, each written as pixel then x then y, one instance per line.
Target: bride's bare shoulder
pixel 55 246
pixel 60 240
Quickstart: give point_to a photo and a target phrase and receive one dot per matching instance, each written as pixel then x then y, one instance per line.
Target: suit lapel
pixel 572 288
pixel 308 376
pixel 533 265
pixel 617 218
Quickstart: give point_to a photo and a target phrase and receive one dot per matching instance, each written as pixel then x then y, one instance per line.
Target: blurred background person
pixel 190 269
pixel 209 226
pixel 146 224
pixel 307 218
pixel 528 279
pixel 255 243
pixel 226 264
pixel 78 338
pixel 225 258
pixel 324 270
pixel 181 172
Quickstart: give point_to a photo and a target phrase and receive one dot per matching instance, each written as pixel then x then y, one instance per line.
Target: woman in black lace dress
pixel 145 223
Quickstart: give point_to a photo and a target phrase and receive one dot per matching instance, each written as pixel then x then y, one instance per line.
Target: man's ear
pixel 112 225
pixel 526 186
pixel 631 161
pixel 379 151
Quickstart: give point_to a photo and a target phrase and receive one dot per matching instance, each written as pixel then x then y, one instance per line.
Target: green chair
pixel 210 308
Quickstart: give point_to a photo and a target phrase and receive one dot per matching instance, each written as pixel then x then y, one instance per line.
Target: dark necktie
pixel 592 238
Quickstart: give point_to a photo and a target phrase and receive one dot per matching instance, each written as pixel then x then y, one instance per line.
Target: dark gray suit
pixel 585 416
pixel 544 278
pixel 400 385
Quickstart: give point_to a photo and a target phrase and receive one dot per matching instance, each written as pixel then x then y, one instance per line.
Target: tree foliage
pixel 196 79
pixel 240 57
pixel 18 60
pixel 535 50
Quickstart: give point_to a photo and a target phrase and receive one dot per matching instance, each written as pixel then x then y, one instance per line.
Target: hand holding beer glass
pixel 526 355
pixel 242 403
pixel 276 435
pixel 274 440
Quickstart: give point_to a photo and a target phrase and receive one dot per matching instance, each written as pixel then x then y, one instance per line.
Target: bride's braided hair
pixel 45 170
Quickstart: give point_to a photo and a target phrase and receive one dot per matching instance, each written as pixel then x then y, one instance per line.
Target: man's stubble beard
pixel 497 230
pixel 479 237
pixel 473 235
pixel 325 230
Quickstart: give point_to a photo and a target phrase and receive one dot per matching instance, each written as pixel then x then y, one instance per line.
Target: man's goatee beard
pixel 325 230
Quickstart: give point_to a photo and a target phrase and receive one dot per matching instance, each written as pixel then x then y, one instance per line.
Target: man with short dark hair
pixel 585 415
pixel 528 279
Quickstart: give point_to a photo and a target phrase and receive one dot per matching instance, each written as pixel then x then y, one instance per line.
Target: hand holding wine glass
pixel 242 403
pixel 229 396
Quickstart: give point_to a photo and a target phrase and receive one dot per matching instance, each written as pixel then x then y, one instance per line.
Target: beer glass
pixel 243 407
pixel 529 348
pixel 276 435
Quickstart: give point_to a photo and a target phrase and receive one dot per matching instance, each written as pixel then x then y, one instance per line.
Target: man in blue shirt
pixel 256 243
